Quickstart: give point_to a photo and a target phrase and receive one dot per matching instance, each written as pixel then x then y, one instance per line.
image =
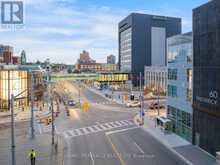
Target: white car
pixel 133 104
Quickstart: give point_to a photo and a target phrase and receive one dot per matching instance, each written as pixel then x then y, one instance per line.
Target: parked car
pixel 133 104
pixel 71 103
pixel 156 106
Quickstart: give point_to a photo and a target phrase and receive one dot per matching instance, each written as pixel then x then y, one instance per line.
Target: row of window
pixel 172 74
pixel 180 116
pixel 172 91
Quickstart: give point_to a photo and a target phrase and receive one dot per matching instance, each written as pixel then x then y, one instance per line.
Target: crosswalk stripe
pixel 114 124
pixel 123 123
pixel 96 128
pixel 78 131
pixel 85 130
pixel 117 122
pixel 108 125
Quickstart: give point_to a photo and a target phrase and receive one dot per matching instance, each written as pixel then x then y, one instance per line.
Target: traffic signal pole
pixel 13 159
pixel 53 127
pixel 32 106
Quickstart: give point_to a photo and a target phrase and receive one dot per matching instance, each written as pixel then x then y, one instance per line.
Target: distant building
pixel 2 49
pixel 16 60
pixel 155 78
pixel 89 67
pixel 23 57
pixel 109 68
pixel 142 41
pixel 111 59
pixel 179 84
pixel 97 67
pixel 7 55
pixel 85 58
pixel 15 79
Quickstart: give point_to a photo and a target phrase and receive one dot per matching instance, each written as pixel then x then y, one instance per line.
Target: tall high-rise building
pixel 142 41
pixel 206 88
pixel 111 59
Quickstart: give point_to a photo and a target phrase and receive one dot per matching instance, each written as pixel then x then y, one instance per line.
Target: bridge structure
pixel 74 76
pixel 101 77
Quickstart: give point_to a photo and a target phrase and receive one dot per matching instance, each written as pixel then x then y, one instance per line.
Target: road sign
pixel 85 107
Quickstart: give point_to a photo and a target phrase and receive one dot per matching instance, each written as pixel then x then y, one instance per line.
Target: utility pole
pixel 112 86
pixel 141 100
pixel 32 105
pixel 51 109
pixel 79 94
pixel 13 160
pixel 53 128
pixel 158 93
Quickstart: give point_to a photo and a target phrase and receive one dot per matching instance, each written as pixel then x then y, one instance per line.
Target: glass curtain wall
pixel 13 82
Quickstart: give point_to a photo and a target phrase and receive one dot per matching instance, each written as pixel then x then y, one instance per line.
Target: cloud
pixel 61 29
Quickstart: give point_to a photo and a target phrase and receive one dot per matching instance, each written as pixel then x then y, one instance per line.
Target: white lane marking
pixel 139 148
pixel 93 162
pixel 121 130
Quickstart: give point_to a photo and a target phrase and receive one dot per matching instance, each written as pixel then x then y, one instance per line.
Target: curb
pixel 166 145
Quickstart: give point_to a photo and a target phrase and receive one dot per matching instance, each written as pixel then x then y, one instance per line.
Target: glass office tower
pixel 179 85
pixel 206 91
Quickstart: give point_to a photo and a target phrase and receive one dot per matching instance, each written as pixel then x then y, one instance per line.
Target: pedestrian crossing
pixel 97 128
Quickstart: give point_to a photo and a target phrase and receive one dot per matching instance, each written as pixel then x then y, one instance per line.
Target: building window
pixel 189 95
pixel 172 74
pixel 189 76
pixel 172 91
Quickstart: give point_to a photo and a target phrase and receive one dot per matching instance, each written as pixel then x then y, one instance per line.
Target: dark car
pixel 156 106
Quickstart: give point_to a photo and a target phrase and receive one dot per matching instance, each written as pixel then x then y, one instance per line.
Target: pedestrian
pixel 32 156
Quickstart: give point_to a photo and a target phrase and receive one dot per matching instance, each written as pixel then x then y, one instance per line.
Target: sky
pixel 61 29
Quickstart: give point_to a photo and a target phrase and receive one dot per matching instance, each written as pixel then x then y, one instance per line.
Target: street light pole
pixel 141 100
pixel 53 128
pixel 13 160
pixel 51 109
pixel 32 105
pixel 79 94
pixel 158 93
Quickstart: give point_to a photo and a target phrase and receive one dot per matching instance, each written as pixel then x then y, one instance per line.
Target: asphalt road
pixel 106 135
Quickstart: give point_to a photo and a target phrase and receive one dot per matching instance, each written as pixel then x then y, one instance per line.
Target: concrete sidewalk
pixel 5 117
pixel 46 154
pixel 191 154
